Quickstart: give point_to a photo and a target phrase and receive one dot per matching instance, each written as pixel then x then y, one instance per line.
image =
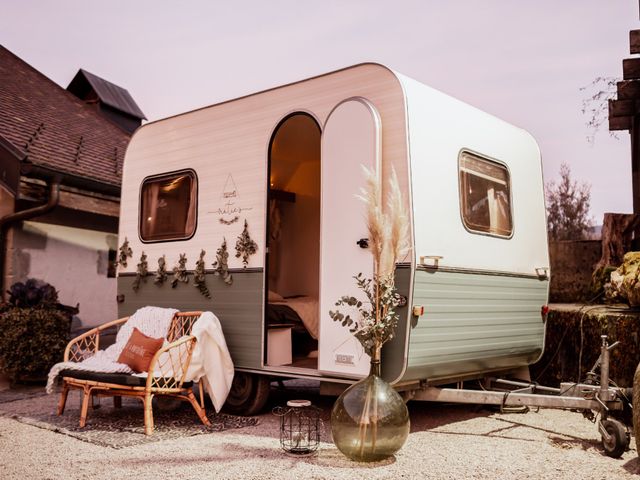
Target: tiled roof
pixel 54 128
pixel 110 94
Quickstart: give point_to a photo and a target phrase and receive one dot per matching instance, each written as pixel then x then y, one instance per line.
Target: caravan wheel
pixel 249 394
pixel 618 442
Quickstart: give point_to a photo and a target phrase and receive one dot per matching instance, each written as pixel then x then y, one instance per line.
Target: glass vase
pixel 370 421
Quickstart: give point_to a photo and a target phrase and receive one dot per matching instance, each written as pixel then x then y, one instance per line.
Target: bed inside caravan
pixel 293 238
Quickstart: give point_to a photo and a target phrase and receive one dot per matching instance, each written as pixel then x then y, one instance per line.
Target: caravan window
pixel 485 195
pixel 168 206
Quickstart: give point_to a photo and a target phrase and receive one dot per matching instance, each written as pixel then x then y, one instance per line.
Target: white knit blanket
pixel 211 362
pixel 152 321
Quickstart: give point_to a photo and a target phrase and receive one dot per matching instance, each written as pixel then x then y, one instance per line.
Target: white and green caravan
pixel 270 180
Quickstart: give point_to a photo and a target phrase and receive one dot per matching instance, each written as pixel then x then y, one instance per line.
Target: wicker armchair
pixel 170 365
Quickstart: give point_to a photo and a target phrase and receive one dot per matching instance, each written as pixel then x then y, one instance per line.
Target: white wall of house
pixel 75 261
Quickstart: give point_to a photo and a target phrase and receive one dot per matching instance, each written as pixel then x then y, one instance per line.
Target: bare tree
pixel 596 105
pixel 568 207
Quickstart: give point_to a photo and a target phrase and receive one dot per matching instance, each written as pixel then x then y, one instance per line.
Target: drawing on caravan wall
pixel 229 212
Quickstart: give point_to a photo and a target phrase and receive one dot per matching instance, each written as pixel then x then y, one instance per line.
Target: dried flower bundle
pixel 221 265
pixel 125 252
pixel 245 246
pixel 161 273
pixel 377 318
pixel 180 271
pixel 199 276
pixel 141 272
pixel 389 241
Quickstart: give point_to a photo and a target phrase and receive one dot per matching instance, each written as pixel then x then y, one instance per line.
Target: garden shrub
pixel 34 329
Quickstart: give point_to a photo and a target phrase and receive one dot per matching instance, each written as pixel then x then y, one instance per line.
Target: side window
pixel 112 265
pixel 168 206
pixel 485 195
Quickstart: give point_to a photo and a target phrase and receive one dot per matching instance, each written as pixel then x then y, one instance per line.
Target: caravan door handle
pixel 363 243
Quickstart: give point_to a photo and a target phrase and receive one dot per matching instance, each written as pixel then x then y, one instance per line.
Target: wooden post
pixel 624 114
pixel 617 229
pixel 635 175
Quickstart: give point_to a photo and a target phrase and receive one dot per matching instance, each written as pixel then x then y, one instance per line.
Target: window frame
pixel 499 163
pixel 160 176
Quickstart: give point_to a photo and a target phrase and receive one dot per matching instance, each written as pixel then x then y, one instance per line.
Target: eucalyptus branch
pixel 125 252
pixel 180 271
pixel 199 276
pixel 245 246
pixel 221 265
pixel 161 273
pixel 141 272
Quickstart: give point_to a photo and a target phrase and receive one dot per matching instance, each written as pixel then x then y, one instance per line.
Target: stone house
pixel 61 154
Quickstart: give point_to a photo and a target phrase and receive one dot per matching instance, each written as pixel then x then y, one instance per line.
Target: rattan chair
pixel 171 362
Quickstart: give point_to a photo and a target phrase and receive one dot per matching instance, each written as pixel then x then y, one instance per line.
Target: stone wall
pixel 572 343
pixel 572 264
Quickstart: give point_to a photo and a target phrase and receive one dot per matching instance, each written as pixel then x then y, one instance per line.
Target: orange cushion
pixel 139 351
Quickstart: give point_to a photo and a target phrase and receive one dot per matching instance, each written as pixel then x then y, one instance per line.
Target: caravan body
pixel 281 168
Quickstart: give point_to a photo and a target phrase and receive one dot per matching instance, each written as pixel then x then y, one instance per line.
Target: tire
pixel 636 407
pixel 249 394
pixel 619 441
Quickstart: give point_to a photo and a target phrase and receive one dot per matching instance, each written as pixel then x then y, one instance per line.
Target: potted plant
pixel 370 420
pixel 34 330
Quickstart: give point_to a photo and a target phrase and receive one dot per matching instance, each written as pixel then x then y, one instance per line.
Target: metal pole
pixel 604 369
pixel 514 383
pixel 453 395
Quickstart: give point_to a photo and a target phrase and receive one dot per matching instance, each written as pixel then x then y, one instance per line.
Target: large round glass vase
pixel 369 421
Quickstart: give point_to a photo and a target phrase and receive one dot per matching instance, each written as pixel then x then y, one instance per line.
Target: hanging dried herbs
pixel 221 265
pixel 161 273
pixel 245 246
pixel 180 271
pixel 125 252
pixel 229 222
pixel 141 272
pixel 199 277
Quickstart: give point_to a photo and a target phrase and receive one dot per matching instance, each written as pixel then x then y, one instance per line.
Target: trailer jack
pixel 593 398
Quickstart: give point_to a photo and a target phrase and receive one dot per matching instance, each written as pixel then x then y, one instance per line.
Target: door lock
pixel 363 243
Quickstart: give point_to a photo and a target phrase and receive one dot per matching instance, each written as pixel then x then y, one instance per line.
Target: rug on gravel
pixel 124 427
pixel 21 393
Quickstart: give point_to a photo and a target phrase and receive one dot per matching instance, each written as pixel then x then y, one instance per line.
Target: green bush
pixel 34 329
pixel 32 340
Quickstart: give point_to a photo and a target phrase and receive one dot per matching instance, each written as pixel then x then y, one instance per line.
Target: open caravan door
pixel 351 138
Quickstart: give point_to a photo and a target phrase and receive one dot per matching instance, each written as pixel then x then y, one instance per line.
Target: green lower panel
pixel 238 306
pixel 393 352
pixel 474 323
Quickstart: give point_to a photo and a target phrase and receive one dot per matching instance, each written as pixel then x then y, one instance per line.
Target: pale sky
pixel 523 61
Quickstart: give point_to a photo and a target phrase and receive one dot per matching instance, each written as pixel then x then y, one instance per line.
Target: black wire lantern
pixel 299 427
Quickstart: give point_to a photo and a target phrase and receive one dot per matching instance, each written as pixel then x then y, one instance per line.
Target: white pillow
pixel 274 297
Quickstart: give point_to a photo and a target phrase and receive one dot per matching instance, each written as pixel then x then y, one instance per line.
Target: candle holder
pixel 299 427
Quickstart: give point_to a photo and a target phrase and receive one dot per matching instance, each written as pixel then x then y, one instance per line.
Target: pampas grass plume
pixel 388 231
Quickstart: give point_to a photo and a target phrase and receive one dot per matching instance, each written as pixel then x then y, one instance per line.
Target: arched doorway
pixel 293 240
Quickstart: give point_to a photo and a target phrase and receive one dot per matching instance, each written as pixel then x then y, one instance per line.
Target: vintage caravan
pixel 252 202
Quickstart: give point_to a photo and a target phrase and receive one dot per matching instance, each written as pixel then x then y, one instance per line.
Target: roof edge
pixel 69 179
pixel 390 70
pixel 11 148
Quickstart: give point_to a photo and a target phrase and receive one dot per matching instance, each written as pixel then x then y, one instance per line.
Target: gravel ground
pixel 446 442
